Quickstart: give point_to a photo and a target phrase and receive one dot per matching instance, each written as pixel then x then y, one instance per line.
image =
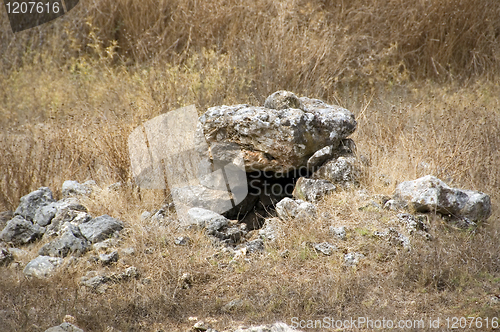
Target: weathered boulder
pixel 21 231
pixel 430 194
pixel 64 327
pixel 289 208
pixel 278 140
pixel 33 201
pixel 312 189
pixel 71 241
pixel 42 266
pixel 100 228
pixel 45 214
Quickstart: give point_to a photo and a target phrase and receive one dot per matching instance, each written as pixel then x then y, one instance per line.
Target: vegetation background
pixel 420 75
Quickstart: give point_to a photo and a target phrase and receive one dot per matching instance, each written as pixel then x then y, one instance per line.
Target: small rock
pixel 64 327
pixel 271 230
pixel 325 248
pixel 95 282
pixel 352 259
pixel 100 228
pixel 277 327
pixel 253 246
pixel 312 190
pixel 344 171
pixel 206 219
pixel 186 280
pixel 320 156
pixel 289 208
pixel 413 223
pixel 182 241
pixel 146 215
pixel 338 232
pixel 108 259
pixel 285 253
pixel 42 266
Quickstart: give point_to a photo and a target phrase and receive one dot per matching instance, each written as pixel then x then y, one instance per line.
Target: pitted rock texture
pixel 278 140
pixel 430 194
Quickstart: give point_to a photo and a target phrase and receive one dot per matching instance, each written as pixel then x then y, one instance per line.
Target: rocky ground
pixel 300 146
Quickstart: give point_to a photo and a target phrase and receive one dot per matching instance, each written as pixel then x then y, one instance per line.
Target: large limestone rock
pixel 33 201
pixel 279 139
pixel 21 231
pixel 430 194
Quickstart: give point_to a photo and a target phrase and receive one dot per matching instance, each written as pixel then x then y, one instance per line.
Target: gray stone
pixel 21 231
pixel 6 257
pixel 278 140
pixel 394 237
pixel 253 246
pixel 271 230
pixel 33 201
pixel 413 223
pixel 312 190
pixel 202 197
pixel 45 214
pixel 352 259
pixel 182 241
pixel 319 157
pixel 42 266
pixel 232 305
pixel 298 209
pixel 100 228
pixel 206 219
pixel 429 194
pixel 110 258
pixel 64 327
pixel 277 327
pixel 344 171
pixel 325 248
pixel 71 241
pixel 73 188
pixel 95 282
pixel 392 205
pixel 338 232
pixel 281 100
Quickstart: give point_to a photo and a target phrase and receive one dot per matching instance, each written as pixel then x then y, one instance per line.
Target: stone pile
pixel 65 225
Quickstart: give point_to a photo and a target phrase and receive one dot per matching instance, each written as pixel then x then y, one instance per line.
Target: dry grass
pixel 420 78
